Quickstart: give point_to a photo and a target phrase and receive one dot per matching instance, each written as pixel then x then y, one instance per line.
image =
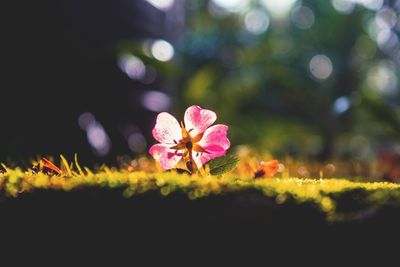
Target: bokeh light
pixel 382 78
pixel 162 50
pixel 370 4
pixel 343 6
pixel 137 143
pixel 86 119
pixel 98 139
pixel 320 67
pixel 302 17
pixel 95 133
pixel 386 18
pixel 132 66
pixel 341 104
pixel 279 9
pixel 227 5
pixel 162 4
pixel 256 21
pixel 156 101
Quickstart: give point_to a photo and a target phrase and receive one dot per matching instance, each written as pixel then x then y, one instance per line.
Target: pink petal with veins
pixel 216 136
pixel 214 151
pixel 167 129
pixel 167 157
pixel 215 142
pixel 198 119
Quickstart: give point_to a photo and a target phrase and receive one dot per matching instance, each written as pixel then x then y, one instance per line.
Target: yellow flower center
pixel 188 142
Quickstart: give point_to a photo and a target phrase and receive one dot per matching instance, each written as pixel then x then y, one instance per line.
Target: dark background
pixel 98 226
pixel 58 62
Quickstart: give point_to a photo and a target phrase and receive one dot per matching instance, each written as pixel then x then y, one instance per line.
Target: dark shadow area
pixel 59 61
pixel 99 225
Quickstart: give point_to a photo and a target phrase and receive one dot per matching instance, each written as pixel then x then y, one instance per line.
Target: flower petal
pixel 215 136
pixel 214 142
pixel 167 157
pixel 214 151
pixel 197 120
pixel 167 129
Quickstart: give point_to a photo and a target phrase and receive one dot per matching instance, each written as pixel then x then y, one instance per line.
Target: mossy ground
pixel 338 199
pixel 122 214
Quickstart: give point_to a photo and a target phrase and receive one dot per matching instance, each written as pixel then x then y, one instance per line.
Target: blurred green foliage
pixel 311 82
pixel 262 83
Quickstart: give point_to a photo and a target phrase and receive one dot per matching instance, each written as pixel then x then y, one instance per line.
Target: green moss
pixel 339 198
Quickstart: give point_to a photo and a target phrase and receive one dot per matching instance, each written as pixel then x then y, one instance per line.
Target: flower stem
pixel 192 167
pixel 191 164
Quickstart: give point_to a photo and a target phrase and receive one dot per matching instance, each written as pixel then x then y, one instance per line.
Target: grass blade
pixel 65 165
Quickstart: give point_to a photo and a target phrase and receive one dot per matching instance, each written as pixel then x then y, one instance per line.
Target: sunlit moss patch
pixel 338 199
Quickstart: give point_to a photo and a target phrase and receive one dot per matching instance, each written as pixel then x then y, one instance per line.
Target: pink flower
pixel 192 140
